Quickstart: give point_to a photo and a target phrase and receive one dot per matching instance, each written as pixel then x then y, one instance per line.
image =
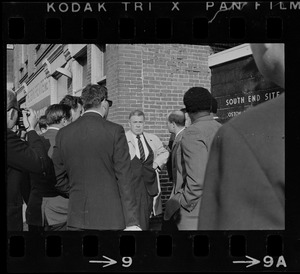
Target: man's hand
pixel 133 228
pixel 30 120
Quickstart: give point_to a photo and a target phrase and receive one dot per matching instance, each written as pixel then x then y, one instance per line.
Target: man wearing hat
pixel 195 145
pixel 23 157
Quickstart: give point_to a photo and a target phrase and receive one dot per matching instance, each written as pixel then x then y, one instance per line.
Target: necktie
pixel 141 148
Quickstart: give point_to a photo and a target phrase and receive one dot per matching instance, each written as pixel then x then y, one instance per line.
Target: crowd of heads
pixel 70 108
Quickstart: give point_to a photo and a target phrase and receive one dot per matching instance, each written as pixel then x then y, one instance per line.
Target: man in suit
pixel 244 187
pixel 176 125
pixel 170 144
pixel 55 209
pixel 76 105
pixel 147 155
pixel 195 144
pixel 23 157
pixel 92 164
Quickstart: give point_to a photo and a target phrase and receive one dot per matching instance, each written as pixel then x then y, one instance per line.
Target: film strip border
pixel 143 22
pixel 194 22
pixel 142 251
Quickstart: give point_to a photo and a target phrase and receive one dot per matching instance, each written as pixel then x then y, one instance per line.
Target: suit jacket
pixel 160 157
pixel 169 162
pixel 91 160
pixel 42 185
pixel 244 186
pixel 23 157
pixel 50 135
pixel 196 142
pixel 54 209
pixel 172 205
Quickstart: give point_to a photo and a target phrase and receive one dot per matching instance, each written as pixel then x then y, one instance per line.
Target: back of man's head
pixel 56 112
pixel 12 101
pixel 270 61
pixel 42 122
pixel 197 99
pixel 178 117
pixel 93 95
pixel 71 101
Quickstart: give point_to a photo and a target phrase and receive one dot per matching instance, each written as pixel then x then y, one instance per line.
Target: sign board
pixel 238 85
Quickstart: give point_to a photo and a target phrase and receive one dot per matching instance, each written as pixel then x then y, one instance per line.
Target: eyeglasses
pixel 109 102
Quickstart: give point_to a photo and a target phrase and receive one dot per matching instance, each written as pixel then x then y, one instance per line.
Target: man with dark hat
pixel 23 157
pixel 195 145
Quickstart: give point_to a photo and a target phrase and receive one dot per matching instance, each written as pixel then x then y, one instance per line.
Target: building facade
pixel 9 66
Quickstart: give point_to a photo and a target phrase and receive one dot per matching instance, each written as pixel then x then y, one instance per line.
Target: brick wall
pixel 117 111
pixel 153 78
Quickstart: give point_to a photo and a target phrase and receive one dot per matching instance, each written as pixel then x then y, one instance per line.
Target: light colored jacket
pixel 160 157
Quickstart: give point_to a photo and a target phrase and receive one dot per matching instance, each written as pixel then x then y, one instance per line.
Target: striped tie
pixel 141 148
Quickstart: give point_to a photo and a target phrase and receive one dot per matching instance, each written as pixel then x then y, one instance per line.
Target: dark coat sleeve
pixel 62 181
pixel 30 156
pixel 169 162
pixel 122 168
pixel 237 194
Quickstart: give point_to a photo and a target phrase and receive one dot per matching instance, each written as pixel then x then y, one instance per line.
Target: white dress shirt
pixel 91 110
pixel 137 150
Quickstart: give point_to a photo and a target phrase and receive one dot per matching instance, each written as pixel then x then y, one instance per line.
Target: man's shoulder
pixel 11 133
pixel 128 133
pixel 151 136
pixel 50 133
pixel 113 125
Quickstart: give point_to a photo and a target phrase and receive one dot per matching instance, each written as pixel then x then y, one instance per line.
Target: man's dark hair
pixel 43 122
pixel 71 101
pixel 177 117
pixel 197 99
pixel 56 112
pixel 214 105
pixel 136 112
pixel 93 95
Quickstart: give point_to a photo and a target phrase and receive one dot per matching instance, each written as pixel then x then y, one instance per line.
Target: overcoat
pixel 92 163
pixel 244 186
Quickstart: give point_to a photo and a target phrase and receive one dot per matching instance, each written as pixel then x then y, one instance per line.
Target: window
pixel 82 60
pixel 98 63
pixel 80 71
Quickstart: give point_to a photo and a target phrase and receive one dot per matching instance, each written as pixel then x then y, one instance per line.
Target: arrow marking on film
pixel 252 262
pixel 109 261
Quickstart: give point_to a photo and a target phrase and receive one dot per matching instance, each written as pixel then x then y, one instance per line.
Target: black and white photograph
pixel 127 131
pixel 140 154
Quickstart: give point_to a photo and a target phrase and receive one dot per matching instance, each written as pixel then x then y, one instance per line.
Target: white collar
pixel 95 111
pixel 53 128
pixel 179 132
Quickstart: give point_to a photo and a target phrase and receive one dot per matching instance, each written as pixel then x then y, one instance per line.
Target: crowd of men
pixel 84 172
